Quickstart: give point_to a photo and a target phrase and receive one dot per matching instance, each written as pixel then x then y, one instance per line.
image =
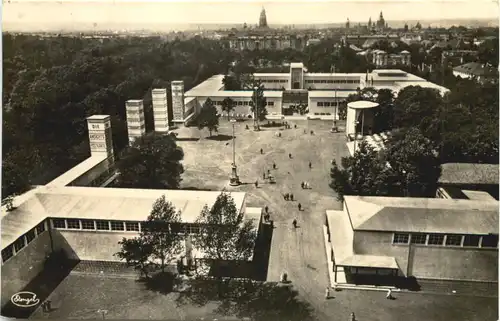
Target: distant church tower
pixel 370 23
pixel 263 19
pixel 381 22
pixel 347 24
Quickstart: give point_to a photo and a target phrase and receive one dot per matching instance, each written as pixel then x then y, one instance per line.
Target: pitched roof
pixel 430 215
pixel 100 203
pixel 469 173
pixel 476 69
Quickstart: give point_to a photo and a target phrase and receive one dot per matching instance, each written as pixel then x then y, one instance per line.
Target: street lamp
pixel 234 180
pixel 256 110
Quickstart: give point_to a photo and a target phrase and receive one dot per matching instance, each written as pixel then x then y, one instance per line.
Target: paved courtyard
pixel 299 252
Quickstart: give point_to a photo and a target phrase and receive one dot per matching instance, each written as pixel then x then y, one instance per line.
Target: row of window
pixel 327 104
pixel 242 103
pixel 330 81
pixel 129 226
pixel 486 241
pixel 275 81
pixel 22 241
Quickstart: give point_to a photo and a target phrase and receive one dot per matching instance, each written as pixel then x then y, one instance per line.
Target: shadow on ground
pixel 187 139
pixel 249 299
pixel 57 268
pixel 220 137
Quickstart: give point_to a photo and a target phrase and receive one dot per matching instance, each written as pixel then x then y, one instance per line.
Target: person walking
pixel 327 293
pixel 302 185
pixel 305 132
pixel 300 207
pixel 274 165
pixel 261 151
pixel 268 172
pixel 44 306
pixel 286 196
pixel 294 223
pixel 310 165
pixel 352 317
pixel 290 155
pixel 257 183
pixel 264 175
pixel 291 197
pixel 266 209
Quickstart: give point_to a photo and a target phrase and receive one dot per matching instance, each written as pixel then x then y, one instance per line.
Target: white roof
pixel 297 65
pixel 276 75
pixel 362 104
pixel 334 75
pixel 98 117
pixel 77 171
pixel 100 203
pixel 423 84
pixel 330 93
pixel 206 88
pixel 246 94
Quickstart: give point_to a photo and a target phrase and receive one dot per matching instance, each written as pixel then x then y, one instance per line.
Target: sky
pixel 50 12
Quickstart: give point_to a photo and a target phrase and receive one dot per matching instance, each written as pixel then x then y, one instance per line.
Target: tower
pixel 135 119
pixel 160 109
pixel 100 136
pixel 370 23
pixel 263 19
pixel 347 24
pixel 178 108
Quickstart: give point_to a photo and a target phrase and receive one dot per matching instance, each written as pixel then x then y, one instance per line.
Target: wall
pixel 276 108
pixel 432 261
pixel 315 109
pixel 20 269
pixel 91 245
pixel 94 173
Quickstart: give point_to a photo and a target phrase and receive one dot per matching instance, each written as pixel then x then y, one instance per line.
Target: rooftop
pixel 246 93
pixel 208 87
pixel 478 195
pixel 477 69
pixel 468 173
pixel 334 75
pixel 427 215
pixel 100 203
pixel 99 117
pixel 77 171
pixel 330 93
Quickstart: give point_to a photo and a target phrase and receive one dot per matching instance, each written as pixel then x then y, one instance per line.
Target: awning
pixel 370 261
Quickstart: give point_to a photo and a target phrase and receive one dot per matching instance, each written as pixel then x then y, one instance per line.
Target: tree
pixel 154 161
pixel 383 117
pixel 159 240
pixel 488 52
pixel 365 173
pixel 225 234
pixel 367 93
pixel 258 103
pixel 137 253
pixel 231 82
pixel 227 106
pixel 208 117
pixel 412 156
pixel 416 107
pixel 162 232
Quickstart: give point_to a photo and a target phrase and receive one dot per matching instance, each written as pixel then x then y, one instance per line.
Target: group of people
pixel 305 185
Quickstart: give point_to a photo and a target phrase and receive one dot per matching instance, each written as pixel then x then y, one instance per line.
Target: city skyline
pixel 70 14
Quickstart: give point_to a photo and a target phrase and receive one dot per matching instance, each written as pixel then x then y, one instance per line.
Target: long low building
pixel 322 93
pixel 426 238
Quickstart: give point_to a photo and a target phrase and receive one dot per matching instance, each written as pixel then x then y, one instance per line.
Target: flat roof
pixel 427 215
pixel 334 75
pixel 370 261
pixel 98 117
pixel 469 173
pixel 208 87
pixel 121 204
pixel 276 74
pixel 341 234
pixel 246 93
pixel 77 171
pixel 478 195
pixel 362 104
pixel 330 93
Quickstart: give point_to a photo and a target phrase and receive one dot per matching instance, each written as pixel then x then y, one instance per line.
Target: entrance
pixel 296 85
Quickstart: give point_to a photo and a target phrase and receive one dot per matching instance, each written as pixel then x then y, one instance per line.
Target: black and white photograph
pixel 250 160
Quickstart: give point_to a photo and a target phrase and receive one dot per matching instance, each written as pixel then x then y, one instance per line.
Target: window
pixel 132 226
pixel 40 228
pixel 246 103
pixel 320 104
pixel 401 238
pixel 88 225
pixel 73 224
pixel 418 238
pixel 454 240
pixel 327 104
pixel 59 223
pixel 436 239
pixel 490 241
pixel 102 225
pixel 330 81
pixel 117 226
pixel 471 240
pixel 7 253
pixel 19 244
pixel 30 236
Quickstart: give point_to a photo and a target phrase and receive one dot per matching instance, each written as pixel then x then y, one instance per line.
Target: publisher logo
pixel 25 299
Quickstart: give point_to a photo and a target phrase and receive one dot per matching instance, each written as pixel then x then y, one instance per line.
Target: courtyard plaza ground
pixel 299 252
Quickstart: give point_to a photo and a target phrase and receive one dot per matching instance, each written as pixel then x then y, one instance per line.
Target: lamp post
pixel 256 110
pixel 234 180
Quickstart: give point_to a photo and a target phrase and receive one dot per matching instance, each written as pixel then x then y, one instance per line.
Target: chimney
pixel 135 119
pixel 178 108
pixel 100 136
pixel 160 110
